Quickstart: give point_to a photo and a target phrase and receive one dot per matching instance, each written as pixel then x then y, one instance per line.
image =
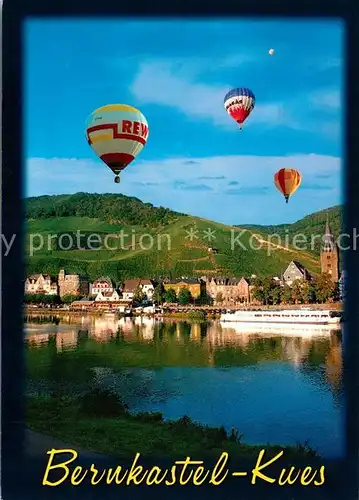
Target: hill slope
pixel 133 239
pixel 312 226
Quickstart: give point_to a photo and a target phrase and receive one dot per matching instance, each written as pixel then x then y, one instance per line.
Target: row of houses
pixel 238 290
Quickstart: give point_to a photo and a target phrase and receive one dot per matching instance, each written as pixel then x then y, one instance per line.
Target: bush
pixel 149 417
pixel 101 403
pixel 196 315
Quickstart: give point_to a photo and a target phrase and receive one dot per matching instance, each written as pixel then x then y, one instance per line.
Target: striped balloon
pixel 239 103
pixel 117 133
pixel 287 181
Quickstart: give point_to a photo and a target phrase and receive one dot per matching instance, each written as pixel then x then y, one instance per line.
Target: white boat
pixel 275 329
pixel 292 317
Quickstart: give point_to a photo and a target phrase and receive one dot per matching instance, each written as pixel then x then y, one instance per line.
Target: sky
pixel 177 73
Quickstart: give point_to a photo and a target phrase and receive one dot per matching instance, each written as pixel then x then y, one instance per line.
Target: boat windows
pixel 335 314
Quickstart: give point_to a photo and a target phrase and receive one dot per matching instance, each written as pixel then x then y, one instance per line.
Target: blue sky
pixel 177 73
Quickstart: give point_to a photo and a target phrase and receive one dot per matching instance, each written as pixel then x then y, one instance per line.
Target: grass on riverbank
pixel 100 423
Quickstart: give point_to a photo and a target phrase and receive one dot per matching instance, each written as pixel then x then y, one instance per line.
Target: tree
pixel 258 291
pixel 275 294
pixel 170 296
pixel 51 299
pixel 138 295
pixel 307 292
pixel 296 291
pixel 267 291
pixel 68 299
pixel 324 288
pixel 159 294
pixel 184 296
pixel 287 295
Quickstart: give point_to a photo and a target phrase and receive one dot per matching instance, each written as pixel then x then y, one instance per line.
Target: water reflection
pixel 307 352
pixel 272 386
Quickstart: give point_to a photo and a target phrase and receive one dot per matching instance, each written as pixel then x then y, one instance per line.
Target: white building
pixel 295 271
pixel 103 284
pixel 107 296
pixel 130 286
pixel 41 284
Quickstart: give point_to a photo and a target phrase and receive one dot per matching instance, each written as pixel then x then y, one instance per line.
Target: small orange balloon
pixel 287 181
pixel 271 52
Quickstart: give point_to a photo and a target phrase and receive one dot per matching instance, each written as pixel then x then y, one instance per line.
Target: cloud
pixel 323 176
pixel 170 84
pixel 326 99
pixel 183 84
pixel 147 183
pixel 316 187
pixel 214 177
pixel 249 190
pixel 167 182
pixel 330 63
pixel 196 187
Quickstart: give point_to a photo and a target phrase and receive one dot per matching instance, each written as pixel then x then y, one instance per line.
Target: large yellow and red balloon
pixel 117 133
pixel 287 181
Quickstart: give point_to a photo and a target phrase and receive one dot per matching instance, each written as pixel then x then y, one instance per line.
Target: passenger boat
pixel 285 316
pixel 282 329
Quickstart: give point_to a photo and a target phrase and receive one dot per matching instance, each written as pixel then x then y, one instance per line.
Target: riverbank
pixel 184 312
pixel 99 423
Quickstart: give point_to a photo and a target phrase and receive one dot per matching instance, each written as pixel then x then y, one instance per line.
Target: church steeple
pixel 328 239
pixel 329 257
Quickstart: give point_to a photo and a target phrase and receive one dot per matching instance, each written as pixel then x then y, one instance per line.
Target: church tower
pixel 329 257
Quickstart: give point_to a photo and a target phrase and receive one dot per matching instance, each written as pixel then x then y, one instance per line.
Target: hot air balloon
pixel 287 181
pixel 271 52
pixel 117 133
pixel 239 103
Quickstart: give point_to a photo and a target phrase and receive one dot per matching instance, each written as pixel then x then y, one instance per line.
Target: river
pixel 273 388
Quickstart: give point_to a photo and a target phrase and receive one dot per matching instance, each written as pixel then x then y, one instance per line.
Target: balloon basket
pixel 117 179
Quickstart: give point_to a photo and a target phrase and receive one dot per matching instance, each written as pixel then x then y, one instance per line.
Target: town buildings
pixel 107 296
pixel 147 287
pixel 41 284
pixel 195 286
pixel 295 271
pixel 72 284
pixel 230 291
pixel 103 284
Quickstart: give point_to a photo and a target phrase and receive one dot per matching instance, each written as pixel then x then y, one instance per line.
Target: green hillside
pixel 149 241
pixel 312 226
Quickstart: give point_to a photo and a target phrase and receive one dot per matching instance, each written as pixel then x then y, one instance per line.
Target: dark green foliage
pixel 68 299
pixel 39 298
pixel 184 296
pixel 159 294
pixel 106 215
pixel 114 208
pixel 170 296
pixel 138 295
pixel 321 290
pixel 149 417
pixel 101 403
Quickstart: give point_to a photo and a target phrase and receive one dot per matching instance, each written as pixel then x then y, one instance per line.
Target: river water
pixel 278 387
